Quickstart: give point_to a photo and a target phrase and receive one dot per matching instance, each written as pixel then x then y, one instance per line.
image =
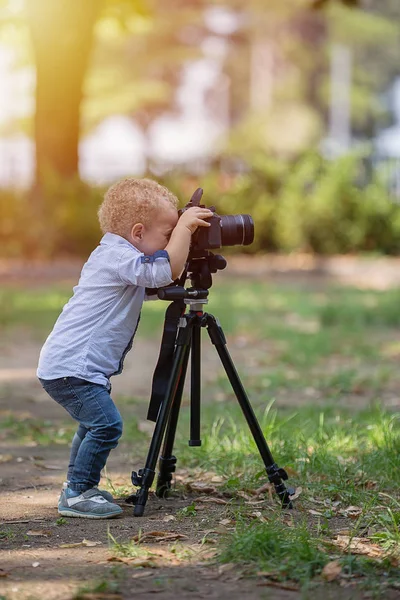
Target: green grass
pixel 287 552
pixel 7 534
pixel 44 432
pixel 34 309
pixel 332 451
pixel 296 554
pixel 99 589
pixel 242 306
pixel 338 460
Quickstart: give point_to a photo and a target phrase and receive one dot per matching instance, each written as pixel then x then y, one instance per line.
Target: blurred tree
pixel 134 65
pixel 137 58
pixel 62 34
pixel 279 65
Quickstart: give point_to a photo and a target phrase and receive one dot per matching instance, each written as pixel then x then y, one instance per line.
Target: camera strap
pixel 163 369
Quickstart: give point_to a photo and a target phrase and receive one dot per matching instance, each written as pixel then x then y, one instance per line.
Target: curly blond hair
pixel 131 201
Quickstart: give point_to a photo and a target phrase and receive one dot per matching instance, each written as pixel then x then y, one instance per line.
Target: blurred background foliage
pixel 309 204
pixel 126 57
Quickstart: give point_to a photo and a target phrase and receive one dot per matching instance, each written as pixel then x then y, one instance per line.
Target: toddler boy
pixel 144 245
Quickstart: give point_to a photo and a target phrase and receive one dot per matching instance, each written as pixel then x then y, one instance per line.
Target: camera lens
pixel 237 230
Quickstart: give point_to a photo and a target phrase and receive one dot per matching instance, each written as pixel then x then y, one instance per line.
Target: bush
pixel 60 220
pixel 309 204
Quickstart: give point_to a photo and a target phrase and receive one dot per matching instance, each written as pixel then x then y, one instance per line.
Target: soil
pixel 42 557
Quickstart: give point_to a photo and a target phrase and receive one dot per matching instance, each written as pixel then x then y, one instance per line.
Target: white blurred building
pixel 387 142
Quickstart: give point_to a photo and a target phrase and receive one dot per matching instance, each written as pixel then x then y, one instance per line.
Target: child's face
pixel 155 236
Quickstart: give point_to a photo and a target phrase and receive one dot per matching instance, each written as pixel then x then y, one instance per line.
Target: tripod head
pixel 199 267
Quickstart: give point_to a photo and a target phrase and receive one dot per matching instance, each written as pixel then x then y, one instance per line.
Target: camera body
pixel 228 230
pixel 207 238
pixel 211 237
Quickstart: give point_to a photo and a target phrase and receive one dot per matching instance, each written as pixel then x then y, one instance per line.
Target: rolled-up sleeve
pixel 151 271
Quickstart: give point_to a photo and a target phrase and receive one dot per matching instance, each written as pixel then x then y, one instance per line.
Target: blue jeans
pixel 100 427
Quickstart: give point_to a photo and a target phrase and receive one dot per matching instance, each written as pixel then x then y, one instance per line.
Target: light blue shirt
pixel 97 325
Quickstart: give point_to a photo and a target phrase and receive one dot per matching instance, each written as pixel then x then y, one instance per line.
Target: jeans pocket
pixel 51 384
pixel 65 394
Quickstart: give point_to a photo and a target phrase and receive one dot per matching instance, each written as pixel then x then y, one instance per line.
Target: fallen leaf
pixel 256 514
pixel 217 479
pixel 35 564
pixel 226 567
pixel 243 495
pixel 38 533
pixel 315 513
pixel 296 494
pixel 267 487
pixel 48 467
pixel 370 484
pixel 90 543
pixel 288 520
pixel 227 522
pixel 136 562
pixel 331 570
pixel 343 532
pixel 141 574
pixel 24 521
pixel 351 511
pixel 358 546
pixel 84 542
pixel 168 518
pixel 158 536
pixel 204 488
pixel 211 499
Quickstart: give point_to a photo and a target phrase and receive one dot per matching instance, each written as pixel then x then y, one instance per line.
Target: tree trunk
pixel 62 33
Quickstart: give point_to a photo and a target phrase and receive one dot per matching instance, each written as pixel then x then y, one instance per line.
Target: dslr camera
pixel 228 230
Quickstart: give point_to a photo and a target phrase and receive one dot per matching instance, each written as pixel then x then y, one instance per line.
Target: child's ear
pixel 137 231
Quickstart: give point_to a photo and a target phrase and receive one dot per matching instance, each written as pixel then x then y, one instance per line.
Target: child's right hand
pixel 192 218
pixel 179 243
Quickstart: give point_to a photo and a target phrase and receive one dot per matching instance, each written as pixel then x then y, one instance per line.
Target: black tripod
pixel 182 336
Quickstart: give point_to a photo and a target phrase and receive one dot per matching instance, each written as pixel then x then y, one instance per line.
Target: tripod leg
pixel 195 387
pixel 167 461
pixel 275 474
pixel 145 477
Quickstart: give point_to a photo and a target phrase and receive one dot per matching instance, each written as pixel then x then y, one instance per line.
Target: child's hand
pixel 193 217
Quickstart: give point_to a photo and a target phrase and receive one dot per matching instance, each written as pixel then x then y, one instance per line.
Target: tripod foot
pixel 286 501
pixel 276 476
pixel 166 466
pixel 143 479
pixel 162 489
pixel 138 510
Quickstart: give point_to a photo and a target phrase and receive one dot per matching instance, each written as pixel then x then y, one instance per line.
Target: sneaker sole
pixel 70 512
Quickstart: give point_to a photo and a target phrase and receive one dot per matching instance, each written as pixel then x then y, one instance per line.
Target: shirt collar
pixel 112 239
